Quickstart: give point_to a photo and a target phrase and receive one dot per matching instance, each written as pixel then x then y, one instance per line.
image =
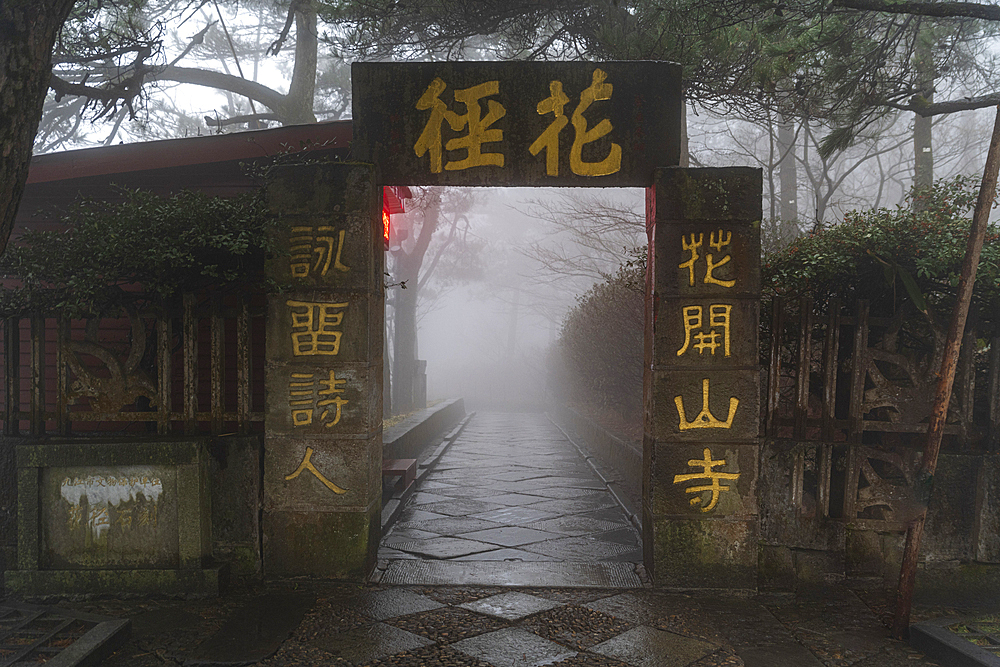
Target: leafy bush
pixel 601 345
pixel 145 246
pixel 889 256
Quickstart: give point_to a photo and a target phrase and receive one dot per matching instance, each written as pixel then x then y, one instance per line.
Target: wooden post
pixel 924 480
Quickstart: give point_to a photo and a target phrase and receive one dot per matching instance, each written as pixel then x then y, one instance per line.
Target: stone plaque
pixel 109 517
pixel 517 123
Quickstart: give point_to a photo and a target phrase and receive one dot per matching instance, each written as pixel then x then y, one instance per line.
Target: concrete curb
pixel 394 506
pixel 613 485
pixel 933 638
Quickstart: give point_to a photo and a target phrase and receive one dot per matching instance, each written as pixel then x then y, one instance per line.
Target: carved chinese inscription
pixel 315 327
pixel 707 465
pixel 316 251
pixel 307 464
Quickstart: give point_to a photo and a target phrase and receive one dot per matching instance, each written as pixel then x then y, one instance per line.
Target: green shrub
pixel 144 246
pixel 890 256
pixel 601 344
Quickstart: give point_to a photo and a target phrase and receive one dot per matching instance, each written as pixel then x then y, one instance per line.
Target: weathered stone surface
pixel 678 241
pixel 111 528
pixel 736 497
pixel 327 189
pixel 334 545
pixel 703 406
pixel 685 327
pixel 234 468
pixel 322 251
pixel 346 464
pixel 319 326
pixel 320 400
pixel 708 194
pixel 987 533
pixel 723 386
pixel 389 127
pixel 708 553
pixel 951 516
pixel 324 383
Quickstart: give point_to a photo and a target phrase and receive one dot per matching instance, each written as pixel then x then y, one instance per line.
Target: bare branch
pixel 950 106
pixel 972 10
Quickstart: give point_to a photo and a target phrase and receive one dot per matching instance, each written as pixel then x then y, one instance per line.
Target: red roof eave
pixel 188 151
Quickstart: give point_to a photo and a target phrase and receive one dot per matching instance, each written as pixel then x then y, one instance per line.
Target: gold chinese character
pixel 332 387
pixel 147 515
pixel 705 419
pixel 707 473
pixel 598 90
pixel 75 516
pixel 717 242
pixel 307 464
pixel 314 327
pixel 718 317
pixel 305 243
pixel 99 517
pixel 124 519
pixel 430 139
pixel 300 393
pixel 549 139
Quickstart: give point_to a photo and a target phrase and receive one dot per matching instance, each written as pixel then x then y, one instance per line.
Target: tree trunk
pixel 302 88
pixel 404 349
pixel 788 173
pixel 28 30
pixel 923 158
pixel 924 480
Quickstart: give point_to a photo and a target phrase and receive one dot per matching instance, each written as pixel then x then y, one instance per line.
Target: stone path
pixel 316 623
pixel 512 502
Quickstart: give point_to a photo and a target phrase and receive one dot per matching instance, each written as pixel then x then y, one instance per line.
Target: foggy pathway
pixel 512 491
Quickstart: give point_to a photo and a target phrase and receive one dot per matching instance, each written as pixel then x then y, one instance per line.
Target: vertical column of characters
pixel 322 441
pixel 705 378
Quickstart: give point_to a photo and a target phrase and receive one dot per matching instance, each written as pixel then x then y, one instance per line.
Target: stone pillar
pixel 701 445
pixel 323 422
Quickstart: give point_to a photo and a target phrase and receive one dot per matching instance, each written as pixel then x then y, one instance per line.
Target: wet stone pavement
pixel 512 502
pixel 479 626
pixel 511 554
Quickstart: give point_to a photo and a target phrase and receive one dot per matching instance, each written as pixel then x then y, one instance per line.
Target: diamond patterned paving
pixel 512 489
pixel 444 547
pixel 513 647
pixel 510 606
pixel 510 536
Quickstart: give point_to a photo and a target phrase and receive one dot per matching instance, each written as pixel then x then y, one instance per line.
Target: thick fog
pixel 486 321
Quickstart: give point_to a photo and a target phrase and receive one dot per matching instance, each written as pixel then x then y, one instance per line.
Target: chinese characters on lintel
pixel 478 130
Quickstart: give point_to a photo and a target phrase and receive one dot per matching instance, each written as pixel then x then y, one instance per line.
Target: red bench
pixel 404 469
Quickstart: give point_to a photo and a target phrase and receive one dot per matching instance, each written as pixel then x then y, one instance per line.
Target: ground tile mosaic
pixel 576 626
pixel 448 625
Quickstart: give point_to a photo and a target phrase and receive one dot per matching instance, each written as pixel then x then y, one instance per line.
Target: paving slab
pixel 461 507
pixel 649 647
pixel 255 631
pixel 515 516
pixel 444 547
pixel 511 606
pixel 512 647
pixel 389 603
pixel 472 573
pixel 579 548
pixel 453 525
pixel 364 645
pixel 511 536
pixel 504 554
pixel 576 525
